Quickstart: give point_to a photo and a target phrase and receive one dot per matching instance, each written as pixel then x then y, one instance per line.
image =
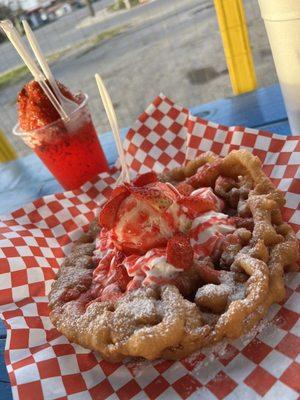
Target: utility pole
pixel 90 7
pixel 127 4
pixel 16 15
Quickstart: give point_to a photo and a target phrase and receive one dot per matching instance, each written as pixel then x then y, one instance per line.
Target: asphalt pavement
pixel 65 31
pixel 165 46
pixel 55 35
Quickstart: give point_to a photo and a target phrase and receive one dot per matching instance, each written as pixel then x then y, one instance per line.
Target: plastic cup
pixel 70 150
pixel 282 22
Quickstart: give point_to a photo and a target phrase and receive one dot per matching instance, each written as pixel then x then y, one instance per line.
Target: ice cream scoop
pixel 141 217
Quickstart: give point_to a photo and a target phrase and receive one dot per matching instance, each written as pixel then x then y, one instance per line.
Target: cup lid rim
pixel 280 17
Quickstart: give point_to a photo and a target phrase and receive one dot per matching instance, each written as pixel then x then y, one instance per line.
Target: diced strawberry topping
pixel 206 174
pixel 200 201
pixel 184 188
pixel 196 205
pixel 141 239
pixel 145 179
pixel 118 190
pixel 206 273
pixel 224 184
pixel 180 252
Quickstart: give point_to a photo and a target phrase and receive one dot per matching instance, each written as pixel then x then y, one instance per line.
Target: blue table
pixel 27 179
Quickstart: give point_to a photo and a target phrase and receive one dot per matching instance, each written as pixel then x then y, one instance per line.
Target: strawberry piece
pixel 180 252
pixel 159 195
pixel 197 204
pixel 156 198
pixel 224 184
pixel 121 277
pixel 205 175
pixel 206 273
pixel 109 212
pixel 145 179
pixel 118 190
pixel 184 188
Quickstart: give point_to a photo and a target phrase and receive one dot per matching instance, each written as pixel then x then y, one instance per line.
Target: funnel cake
pixel 177 262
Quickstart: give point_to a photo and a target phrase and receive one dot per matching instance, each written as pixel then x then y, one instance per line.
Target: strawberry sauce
pixel 74 159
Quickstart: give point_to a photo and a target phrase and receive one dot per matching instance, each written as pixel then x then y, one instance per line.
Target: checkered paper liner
pixel 43 364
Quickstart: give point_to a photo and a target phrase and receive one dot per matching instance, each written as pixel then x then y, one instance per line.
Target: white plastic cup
pixel 282 22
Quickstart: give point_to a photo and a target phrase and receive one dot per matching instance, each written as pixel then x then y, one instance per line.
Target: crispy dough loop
pixel 213 297
pixel 241 162
pixel 231 323
pixel 196 334
pixel 150 340
pixel 179 174
pixel 281 255
pixel 261 208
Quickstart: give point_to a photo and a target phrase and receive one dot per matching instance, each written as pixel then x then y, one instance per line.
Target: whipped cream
pixel 181 220
pixel 152 268
pixel 160 268
pixel 207 232
pixel 207 216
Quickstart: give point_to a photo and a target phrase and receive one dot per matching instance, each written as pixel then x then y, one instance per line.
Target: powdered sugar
pixel 211 289
pixel 236 290
pixel 160 268
pixel 139 308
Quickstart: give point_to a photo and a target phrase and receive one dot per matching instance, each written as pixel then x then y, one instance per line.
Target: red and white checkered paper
pixel 34 240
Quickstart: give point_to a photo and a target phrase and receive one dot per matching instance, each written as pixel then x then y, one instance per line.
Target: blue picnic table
pixel 27 179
